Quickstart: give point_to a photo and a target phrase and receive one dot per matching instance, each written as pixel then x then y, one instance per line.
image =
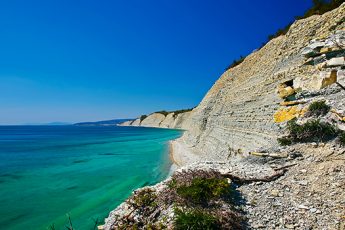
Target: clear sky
pixel 93 60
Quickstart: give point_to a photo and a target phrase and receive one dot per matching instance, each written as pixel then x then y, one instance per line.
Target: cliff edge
pixel 274 126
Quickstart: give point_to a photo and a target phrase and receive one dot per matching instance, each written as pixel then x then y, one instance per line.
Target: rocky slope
pixel 237 114
pixel 160 120
pixel 236 126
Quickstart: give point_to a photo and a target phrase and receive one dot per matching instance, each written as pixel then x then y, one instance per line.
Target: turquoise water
pixel 47 172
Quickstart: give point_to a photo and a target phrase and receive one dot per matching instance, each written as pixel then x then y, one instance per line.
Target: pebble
pixel 303 183
pixel 302 206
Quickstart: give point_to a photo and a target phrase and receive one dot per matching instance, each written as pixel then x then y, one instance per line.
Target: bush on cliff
pixel 318 108
pixel 319 7
pixel 195 219
pixel 144 198
pixel 202 190
pixel 177 112
pixel 199 188
pixel 312 130
pixel 235 62
pixel 142 117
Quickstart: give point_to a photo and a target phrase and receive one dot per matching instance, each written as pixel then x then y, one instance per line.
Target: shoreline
pixel 174 166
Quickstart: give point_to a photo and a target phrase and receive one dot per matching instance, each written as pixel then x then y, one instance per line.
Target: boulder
pixel 315 82
pixel 337 61
pixel 287 114
pixel 313 48
pixel 341 77
pixel 285 89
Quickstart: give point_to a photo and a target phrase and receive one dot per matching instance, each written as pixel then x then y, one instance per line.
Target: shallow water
pixel 47 172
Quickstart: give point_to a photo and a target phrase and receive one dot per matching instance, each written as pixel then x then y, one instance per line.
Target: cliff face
pixel 234 131
pixel 159 120
pixel 238 114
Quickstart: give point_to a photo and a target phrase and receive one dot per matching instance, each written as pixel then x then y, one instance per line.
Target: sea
pixel 50 174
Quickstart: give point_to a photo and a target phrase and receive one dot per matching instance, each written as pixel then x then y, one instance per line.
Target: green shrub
pixel 236 62
pixel 284 141
pixel 144 198
pixel 142 117
pixel 195 220
pixel 319 7
pixel 203 190
pixel 177 112
pixel 312 130
pixel 165 113
pixel 318 108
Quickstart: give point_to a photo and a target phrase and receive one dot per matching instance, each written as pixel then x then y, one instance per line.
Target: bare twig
pixel 239 180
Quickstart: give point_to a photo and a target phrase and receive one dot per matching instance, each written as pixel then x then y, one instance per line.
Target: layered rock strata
pixel 235 128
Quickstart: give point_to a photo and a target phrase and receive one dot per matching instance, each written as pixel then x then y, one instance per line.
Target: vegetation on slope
pixel 319 7
pixel 318 108
pixel 176 112
pixel 199 199
pixel 312 130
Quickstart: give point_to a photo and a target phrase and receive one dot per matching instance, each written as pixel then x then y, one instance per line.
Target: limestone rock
pixel 341 77
pixel 284 92
pixel 159 120
pixel 237 112
pixel 287 114
pixel 136 122
pixel 315 82
pixel 338 61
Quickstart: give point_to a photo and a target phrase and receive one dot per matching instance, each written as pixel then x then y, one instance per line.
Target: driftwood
pixel 273 155
pixel 239 180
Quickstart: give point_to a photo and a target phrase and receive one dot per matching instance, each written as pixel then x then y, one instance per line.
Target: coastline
pixel 174 166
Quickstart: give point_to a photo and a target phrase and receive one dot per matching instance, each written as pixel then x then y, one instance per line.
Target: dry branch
pixel 239 180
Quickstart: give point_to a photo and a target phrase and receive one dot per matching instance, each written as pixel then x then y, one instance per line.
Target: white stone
pixel 303 207
pixel 315 82
pixel 338 61
pixel 341 77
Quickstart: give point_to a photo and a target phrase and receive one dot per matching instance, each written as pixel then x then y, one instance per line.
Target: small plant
pixel 235 62
pixel 142 117
pixel 177 112
pixel 202 190
pixel 312 130
pixel 284 141
pixel 165 113
pixel 144 198
pixel 318 108
pixel 195 219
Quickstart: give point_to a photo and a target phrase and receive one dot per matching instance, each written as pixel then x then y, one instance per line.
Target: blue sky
pixel 93 60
